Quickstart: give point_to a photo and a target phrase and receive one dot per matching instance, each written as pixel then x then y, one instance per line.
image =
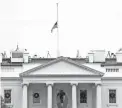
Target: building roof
pixel 61 59
pixel 111 64
pixel 12 64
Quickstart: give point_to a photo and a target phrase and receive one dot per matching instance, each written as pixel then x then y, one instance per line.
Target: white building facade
pixel 62 82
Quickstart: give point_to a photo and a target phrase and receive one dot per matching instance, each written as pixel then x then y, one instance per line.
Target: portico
pixel 66 75
pixel 74 95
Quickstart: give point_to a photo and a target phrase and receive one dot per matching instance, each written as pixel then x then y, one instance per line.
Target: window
pixel 112 70
pixel 83 96
pixel 7 69
pixel 112 96
pixel 36 97
pixel 7 96
pixel 117 70
pixel 17 55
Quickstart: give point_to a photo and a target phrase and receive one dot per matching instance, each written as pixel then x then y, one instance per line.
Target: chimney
pixel 99 55
pixel 91 57
pixel 26 56
pixel 96 56
pixel 119 56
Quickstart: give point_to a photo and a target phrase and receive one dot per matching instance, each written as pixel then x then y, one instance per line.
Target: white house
pixel 63 82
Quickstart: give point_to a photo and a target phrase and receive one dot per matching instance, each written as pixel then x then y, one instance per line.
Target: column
pixel 98 96
pixel 25 96
pixel 49 95
pixel 74 95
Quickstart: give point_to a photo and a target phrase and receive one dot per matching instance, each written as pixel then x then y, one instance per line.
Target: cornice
pixel 62 75
pixel 49 83
pixel 26 73
pixel 111 78
pixel 11 78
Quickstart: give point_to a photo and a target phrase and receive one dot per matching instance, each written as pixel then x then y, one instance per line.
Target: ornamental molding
pixel 98 84
pixel 67 60
pixel 49 83
pixel 25 84
pixel 74 83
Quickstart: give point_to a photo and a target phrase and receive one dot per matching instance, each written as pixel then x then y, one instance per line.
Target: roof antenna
pixel 4 55
pixel 120 49
pixel 17 47
pixel 78 54
pixel 111 55
pixel 108 55
pixel 48 54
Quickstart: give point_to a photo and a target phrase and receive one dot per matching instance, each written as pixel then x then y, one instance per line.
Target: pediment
pixel 61 66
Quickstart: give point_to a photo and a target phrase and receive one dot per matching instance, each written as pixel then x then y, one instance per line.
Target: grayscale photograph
pixel 61 53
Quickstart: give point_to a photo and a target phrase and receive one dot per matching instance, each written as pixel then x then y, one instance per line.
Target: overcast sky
pixel 83 25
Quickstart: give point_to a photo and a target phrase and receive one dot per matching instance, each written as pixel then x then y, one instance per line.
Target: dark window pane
pixel 83 96
pixel 17 55
pixel 117 70
pixel 112 96
pixel 7 96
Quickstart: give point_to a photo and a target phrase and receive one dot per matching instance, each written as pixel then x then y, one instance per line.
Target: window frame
pixel 36 91
pixel 112 69
pixel 113 104
pixel 86 96
pixel 11 103
pixel 117 70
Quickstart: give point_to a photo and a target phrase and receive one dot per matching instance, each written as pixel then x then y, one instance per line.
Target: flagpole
pixel 58 51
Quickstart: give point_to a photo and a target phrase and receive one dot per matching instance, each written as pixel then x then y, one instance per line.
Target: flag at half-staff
pixel 54 26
